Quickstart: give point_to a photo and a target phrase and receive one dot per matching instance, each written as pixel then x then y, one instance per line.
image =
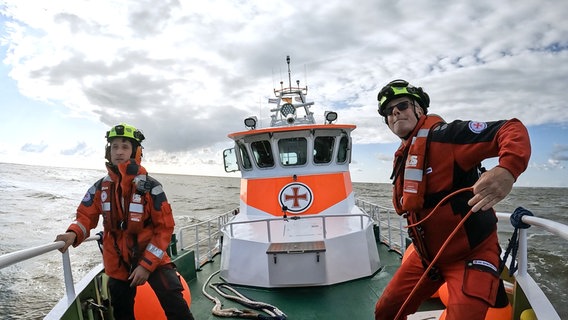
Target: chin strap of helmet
pixel 417 119
pixel 138 154
pixel 414 109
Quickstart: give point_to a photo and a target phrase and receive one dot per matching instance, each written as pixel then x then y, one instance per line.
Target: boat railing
pixel 202 237
pixel 391 226
pixel 29 253
pixel 541 305
pixel 395 238
pixel 324 218
pixel 206 232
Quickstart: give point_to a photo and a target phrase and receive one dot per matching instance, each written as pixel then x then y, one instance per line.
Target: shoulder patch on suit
pixel 476 126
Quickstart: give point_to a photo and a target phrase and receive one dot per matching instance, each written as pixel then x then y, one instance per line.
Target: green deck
pixel 350 300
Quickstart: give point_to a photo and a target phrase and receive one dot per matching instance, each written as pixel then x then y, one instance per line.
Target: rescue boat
pixel 300 245
pixel 298 223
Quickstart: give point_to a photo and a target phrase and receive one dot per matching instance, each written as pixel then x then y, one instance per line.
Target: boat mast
pixel 289 73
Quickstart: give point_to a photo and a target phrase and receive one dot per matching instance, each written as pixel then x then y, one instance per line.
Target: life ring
pixel 147 306
pixel 504 313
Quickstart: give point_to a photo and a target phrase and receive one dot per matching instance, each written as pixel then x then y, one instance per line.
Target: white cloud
pixel 34 148
pixel 187 72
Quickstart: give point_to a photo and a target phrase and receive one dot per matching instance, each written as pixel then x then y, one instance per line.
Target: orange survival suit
pixel 446 157
pixel 137 219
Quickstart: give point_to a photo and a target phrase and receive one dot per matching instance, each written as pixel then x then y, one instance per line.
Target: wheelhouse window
pixel 323 149
pixel 244 156
pixel 343 150
pixel 230 160
pixel 262 153
pixel 293 151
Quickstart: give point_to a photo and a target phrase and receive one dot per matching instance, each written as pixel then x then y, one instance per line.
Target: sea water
pixel 37 203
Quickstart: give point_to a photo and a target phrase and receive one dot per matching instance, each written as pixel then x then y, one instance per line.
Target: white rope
pixel 238 297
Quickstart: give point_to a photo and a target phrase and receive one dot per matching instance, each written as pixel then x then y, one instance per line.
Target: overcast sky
pixel 188 72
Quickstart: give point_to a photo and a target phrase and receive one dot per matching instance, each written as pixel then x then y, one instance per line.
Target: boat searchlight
pixel 330 116
pixel 250 122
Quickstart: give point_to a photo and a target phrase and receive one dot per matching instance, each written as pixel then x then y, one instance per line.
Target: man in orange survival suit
pixel 138 224
pixel 434 159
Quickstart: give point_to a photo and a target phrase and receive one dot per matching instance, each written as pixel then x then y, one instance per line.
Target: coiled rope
pixel 273 312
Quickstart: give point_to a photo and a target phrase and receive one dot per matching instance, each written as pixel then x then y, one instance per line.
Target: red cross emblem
pixel 297 197
pixel 476 126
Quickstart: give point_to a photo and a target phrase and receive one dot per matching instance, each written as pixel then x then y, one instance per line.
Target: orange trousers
pixel 472 285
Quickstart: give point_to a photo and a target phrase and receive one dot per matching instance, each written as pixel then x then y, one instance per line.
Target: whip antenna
pixel 289 75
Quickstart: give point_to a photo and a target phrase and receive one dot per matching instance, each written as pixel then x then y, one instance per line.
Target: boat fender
pixel 494 314
pixel 504 313
pixel 528 314
pixel 409 250
pixel 146 303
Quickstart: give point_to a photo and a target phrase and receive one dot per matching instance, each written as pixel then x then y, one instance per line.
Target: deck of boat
pixel 349 300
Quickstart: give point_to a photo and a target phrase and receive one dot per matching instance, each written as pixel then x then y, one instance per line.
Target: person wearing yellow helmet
pixel 401 88
pixel 436 160
pixel 397 96
pixel 138 224
pixel 127 133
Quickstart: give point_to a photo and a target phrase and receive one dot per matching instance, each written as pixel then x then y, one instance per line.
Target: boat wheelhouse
pixel 298 224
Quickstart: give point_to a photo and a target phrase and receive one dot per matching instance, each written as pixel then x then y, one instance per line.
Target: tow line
pixel 273 312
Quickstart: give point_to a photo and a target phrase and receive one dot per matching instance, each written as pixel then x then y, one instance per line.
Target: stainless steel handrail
pixel 203 233
pixel 539 302
pixel 361 216
pixel 536 297
pixel 541 305
pixel 25 254
pixel 386 218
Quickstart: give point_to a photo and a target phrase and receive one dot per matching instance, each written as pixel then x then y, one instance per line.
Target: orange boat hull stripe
pixel 269 194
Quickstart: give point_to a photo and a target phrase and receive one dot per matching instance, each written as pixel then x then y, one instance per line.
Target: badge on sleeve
pixel 476 126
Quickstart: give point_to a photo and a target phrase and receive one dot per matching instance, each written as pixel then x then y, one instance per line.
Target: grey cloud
pixel 76 24
pixel 78 66
pixel 148 18
pixel 484 60
pixel 131 94
pixel 80 148
pixel 559 153
pixel 175 129
pixel 34 148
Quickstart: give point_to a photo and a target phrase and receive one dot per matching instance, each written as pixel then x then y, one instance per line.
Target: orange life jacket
pixel 138 220
pixel 131 216
pixel 410 188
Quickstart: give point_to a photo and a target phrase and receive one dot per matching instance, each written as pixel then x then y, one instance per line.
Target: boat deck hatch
pixel 296 263
pixel 296 247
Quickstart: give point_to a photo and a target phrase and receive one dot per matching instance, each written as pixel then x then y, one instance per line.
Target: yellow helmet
pixel 399 88
pixel 126 131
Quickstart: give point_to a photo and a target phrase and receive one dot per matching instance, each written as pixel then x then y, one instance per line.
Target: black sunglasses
pixel 401 106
